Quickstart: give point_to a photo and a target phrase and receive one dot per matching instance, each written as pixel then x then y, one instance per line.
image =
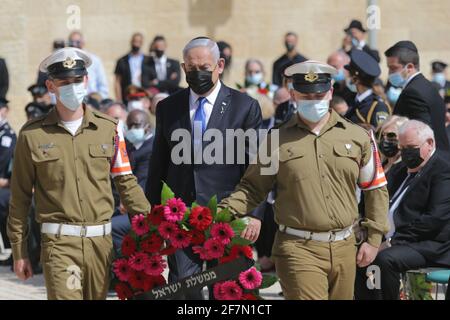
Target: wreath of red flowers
pixel 172 226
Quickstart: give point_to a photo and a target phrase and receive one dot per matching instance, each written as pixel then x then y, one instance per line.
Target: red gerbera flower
pixel 139 261
pixel 166 229
pixel 156 216
pixel 139 225
pixel 222 232
pixel 128 246
pixel 155 266
pixel 200 218
pixel 138 280
pixel 198 237
pixel 250 279
pixel 202 252
pixel 174 210
pixel 157 281
pixel 214 248
pixel 122 269
pixel 248 296
pixel 237 251
pixel 168 251
pixel 231 291
pixel 152 244
pixel 180 239
pixel 123 291
pixel 218 292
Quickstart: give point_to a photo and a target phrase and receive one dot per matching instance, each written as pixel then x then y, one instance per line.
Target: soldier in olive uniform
pixel 321 158
pixel 67 157
pixel 369 110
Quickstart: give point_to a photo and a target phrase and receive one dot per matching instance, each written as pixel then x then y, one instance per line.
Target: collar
pixel 212 97
pixel 52 118
pixel 361 96
pixel 163 59
pixel 136 56
pixel 410 78
pixel 334 120
pixel 139 145
pixel 361 44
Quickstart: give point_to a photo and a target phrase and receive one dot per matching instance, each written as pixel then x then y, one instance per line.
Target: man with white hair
pixel 206 104
pixel 419 211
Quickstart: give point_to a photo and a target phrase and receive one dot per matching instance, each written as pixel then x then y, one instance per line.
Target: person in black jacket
pixel 419 211
pixel 206 104
pixel 4 79
pixel 355 38
pixel 419 99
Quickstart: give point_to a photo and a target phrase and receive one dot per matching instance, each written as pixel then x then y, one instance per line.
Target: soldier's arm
pixel 131 194
pixel 254 186
pixel 376 198
pixel 22 182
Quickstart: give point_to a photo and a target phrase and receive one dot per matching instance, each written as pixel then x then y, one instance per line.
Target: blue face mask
pixel 355 42
pixel 135 135
pixel 392 94
pixel 72 95
pixel 255 78
pixel 313 110
pixel 396 79
pixel 339 76
pixel 350 85
pixel 439 78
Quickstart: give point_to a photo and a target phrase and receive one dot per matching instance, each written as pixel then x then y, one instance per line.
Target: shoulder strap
pixel 371 110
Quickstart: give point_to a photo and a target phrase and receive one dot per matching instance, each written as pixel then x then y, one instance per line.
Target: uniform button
pixel 321 156
pixel 323 176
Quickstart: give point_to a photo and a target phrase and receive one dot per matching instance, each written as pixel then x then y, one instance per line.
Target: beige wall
pixel 254 28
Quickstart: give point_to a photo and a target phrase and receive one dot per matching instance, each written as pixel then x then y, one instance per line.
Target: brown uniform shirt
pixel 317 180
pixel 70 175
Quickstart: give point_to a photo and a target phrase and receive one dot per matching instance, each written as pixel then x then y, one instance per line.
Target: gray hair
pixel 252 60
pixel 203 42
pixel 423 131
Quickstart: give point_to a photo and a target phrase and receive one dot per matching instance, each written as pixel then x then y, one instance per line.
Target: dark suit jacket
pixel 140 160
pixel 421 101
pixel 4 79
pixel 422 219
pixel 123 70
pixel 239 112
pixel 168 85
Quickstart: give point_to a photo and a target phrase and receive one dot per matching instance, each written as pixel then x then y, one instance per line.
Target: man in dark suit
pixel 4 79
pixel 163 73
pixel 207 104
pixel 419 98
pixel 419 211
pixel 130 68
pixel 356 39
pixel 289 58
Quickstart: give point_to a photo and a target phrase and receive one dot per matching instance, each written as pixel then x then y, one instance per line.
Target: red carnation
pixel 152 244
pixel 123 291
pixel 198 237
pixel 156 216
pixel 200 218
pixel 180 239
pixel 128 246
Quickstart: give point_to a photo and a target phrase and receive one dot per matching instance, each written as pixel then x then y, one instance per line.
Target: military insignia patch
pixel 311 76
pixel 69 63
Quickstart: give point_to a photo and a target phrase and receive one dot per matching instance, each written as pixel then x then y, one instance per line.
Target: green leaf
pixel 194 204
pixel 240 241
pixel 166 194
pixel 212 205
pixel 268 281
pixel 223 216
pixel 238 226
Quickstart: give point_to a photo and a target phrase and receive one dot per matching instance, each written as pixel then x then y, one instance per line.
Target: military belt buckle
pixel 83 231
pixel 332 237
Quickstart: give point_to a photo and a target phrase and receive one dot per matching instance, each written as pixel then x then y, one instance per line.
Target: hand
pixel 122 209
pixel 173 76
pixel 4 183
pixel 366 254
pixel 251 231
pixel 23 269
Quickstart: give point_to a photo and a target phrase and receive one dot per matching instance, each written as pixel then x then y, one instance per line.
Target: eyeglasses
pixel 389 135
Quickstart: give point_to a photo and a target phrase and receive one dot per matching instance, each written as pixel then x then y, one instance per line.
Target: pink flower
pixel 215 248
pixel 122 269
pixel 180 239
pixel 139 225
pixel 155 266
pixel 167 229
pixel 174 210
pixel 202 252
pixel 218 292
pixel 230 290
pixel 250 279
pixel 223 232
pixel 138 261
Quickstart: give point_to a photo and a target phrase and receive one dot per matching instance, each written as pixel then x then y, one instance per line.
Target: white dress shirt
pixel 361 96
pixel 135 62
pixel 160 66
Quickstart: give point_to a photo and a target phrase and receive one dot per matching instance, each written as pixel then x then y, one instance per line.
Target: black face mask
pixel 135 49
pixel 289 46
pixel 200 81
pixel 388 148
pixel 159 53
pixel 411 157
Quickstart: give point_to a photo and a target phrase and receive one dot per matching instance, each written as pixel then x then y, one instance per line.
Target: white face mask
pixel 135 105
pixel 313 110
pixel 72 95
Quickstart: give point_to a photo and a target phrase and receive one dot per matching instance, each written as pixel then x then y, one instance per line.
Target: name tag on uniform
pixel 6 142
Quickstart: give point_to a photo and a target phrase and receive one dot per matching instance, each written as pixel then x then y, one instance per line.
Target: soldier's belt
pixel 61 229
pixel 319 236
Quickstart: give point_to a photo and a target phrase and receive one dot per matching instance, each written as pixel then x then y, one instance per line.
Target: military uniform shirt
pixel 70 175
